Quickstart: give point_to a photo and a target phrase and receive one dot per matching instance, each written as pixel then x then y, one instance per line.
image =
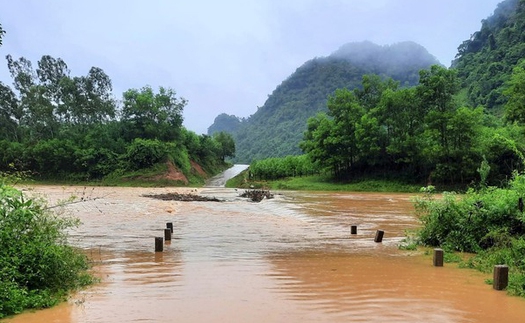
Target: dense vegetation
pixel 65 127
pixel 277 127
pixel 37 267
pixel 421 133
pixel 486 60
pixel 488 221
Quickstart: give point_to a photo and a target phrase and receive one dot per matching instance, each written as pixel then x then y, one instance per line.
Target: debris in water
pixel 182 197
pixel 257 195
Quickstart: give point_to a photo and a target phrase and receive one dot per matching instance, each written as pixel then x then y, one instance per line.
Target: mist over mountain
pixel 277 127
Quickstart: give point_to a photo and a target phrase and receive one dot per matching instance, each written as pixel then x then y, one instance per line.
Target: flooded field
pixel 288 259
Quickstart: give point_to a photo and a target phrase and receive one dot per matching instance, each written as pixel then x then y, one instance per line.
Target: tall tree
pixel 346 112
pixel 88 99
pixel 436 91
pixel 10 114
pixel 50 73
pixel 152 115
pixel 226 143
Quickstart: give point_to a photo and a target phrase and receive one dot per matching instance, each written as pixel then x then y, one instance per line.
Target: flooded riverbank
pixel 288 259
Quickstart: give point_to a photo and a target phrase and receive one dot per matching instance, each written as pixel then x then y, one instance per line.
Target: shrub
pixel 144 153
pixel 37 267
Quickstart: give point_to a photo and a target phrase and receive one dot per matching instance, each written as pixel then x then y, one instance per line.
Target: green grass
pixel 325 183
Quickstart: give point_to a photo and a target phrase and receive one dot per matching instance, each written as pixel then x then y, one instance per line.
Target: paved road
pixel 220 180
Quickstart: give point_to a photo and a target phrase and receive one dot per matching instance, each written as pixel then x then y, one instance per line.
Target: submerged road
pixel 221 179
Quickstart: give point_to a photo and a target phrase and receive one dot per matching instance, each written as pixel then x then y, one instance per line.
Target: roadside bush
pixel 144 153
pixel 37 267
pixel 475 221
pixel 52 156
pixel 489 222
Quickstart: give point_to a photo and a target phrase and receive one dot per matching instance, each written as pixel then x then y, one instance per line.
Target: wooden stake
pixel 379 236
pixel 501 277
pixel 167 234
pixel 353 229
pixel 438 257
pixel 159 245
pixel 169 225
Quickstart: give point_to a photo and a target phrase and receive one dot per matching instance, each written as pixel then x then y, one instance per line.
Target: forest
pixel 423 133
pixel 72 128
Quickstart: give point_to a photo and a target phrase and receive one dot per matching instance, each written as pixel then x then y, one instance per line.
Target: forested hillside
pixel 444 130
pixel 278 126
pixel 485 61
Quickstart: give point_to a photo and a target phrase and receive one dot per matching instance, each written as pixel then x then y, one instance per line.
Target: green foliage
pixel 276 168
pixel 489 222
pixel 475 221
pixel 224 123
pixel 65 128
pixel 144 153
pixel 150 115
pixel 515 92
pixel 226 144
pixel 486 60
pixel 420 132
pixel 37 267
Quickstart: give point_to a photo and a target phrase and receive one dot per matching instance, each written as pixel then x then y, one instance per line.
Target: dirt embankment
pixel 175 174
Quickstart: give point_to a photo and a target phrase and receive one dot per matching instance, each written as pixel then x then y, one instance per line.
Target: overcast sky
pixel 222 56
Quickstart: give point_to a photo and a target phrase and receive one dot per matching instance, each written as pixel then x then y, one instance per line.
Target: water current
pixel 287 259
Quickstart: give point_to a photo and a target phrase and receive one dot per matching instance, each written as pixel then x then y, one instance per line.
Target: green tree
pixel 515 92
pixel 10 114
pixel 317 144
pixel 436 91
pixel 152 115
pixel 226 143
pixel 88 99
pixel 346 112
pixel 401 116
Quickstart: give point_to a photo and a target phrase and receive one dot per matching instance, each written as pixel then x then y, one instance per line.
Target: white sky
pixel 223 56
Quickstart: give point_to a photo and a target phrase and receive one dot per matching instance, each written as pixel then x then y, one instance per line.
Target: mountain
pixel 277 127
pixel 485 61
pixel 225 123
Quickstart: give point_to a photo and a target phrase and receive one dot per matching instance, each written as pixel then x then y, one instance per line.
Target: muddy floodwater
pixel 287 259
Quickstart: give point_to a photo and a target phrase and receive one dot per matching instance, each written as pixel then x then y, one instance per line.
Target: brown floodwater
pixel 288 259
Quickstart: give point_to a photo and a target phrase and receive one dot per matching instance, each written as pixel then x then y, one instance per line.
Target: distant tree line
pixel 421 134
pixel 71 127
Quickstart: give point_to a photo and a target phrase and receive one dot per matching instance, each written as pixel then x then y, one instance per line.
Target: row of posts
pixel 500 275
pixel 378 237
pixel 159 241
pixel 501 272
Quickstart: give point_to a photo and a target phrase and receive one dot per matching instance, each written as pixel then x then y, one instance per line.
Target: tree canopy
pixel 72 127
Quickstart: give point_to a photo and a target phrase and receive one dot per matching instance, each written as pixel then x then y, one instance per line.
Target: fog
pixel 227 56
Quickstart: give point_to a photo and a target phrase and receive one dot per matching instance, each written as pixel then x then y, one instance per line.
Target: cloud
pixel 223 56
